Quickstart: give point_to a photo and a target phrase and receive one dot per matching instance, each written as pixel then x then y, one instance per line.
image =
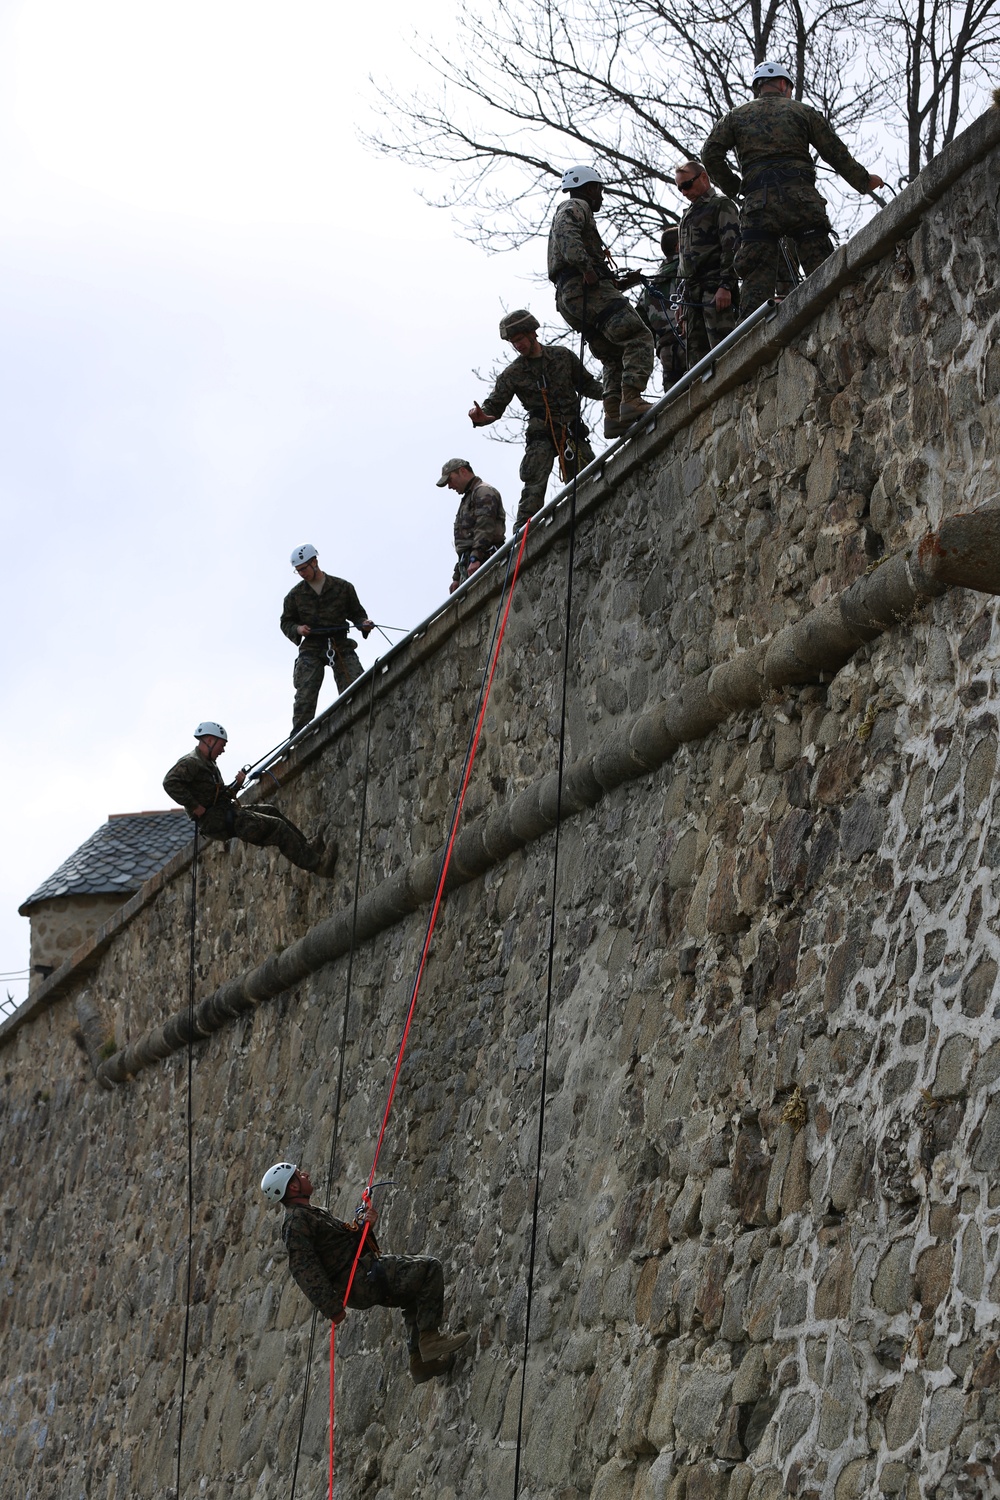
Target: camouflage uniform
pixel 655 311
pixel 771 137
pixel 480 526
pixel 321 1251
pixel 549 388
pixel 196 781
pixel 331 608
pixel 708 234
pixel 615 333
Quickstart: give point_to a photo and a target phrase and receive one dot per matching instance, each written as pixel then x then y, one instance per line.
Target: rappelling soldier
pixel 195 781
pixel 771 138
pixel 321 1252
pixel 588 296
pixel 655 307
pixel 708 233
pixel 480 522
pixel 549 382
pixel 315 616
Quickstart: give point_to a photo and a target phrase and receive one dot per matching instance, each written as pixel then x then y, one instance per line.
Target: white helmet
pixel 303 554
pixel 208 726
pixel 276 1179
pixel 577 176
pixel 768 70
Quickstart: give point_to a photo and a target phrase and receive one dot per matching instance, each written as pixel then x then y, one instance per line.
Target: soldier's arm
pixel 290 620
pixel 179 789
pixel 353 608
pixel 308 1273
pixel 500 396
pixel 488 517
pixel 714 152
pixel 832 149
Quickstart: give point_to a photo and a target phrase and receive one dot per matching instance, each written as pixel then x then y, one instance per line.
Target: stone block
pixel 948 1412
pixel 894 1289
pixel 703 1394
pixel 905 1410
pixel 615 1480
pixel 953 1065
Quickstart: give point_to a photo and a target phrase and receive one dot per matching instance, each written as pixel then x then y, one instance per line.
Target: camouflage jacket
pixel 708 234
pixel 480 523
pixel 654 300
pixel 321 1251
pixel 197 782
pixel 335 605
pixel 557 375
pixel 574 243
pixel 773 132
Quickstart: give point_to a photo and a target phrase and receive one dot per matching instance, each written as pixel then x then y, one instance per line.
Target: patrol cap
pixel 518 321
pixel 303 554
pixel 276 1179
pixel 209 726
pixel 577 176
pixel 768 70
pixel 449 468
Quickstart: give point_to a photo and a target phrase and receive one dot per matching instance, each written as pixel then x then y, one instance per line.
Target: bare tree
pixel 530 87
pixel 940 56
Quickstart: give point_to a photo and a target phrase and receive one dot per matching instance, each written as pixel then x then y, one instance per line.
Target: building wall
pixel 769 1237
pixel 60 925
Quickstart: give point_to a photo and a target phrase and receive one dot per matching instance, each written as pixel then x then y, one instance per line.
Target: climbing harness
pixel 568 615
pixel 190 1155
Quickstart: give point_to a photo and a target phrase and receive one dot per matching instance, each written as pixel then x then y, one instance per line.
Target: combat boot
pixel 613 424
pixel 435 1345
pixel 633 406
pixel 422 1370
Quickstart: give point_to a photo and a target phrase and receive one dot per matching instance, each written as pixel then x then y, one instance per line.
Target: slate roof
pixel 118 858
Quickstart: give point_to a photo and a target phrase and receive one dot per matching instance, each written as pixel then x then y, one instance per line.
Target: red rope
pixel 425 951
pixel 333 1332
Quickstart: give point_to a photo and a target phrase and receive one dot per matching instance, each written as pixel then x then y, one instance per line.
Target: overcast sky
pixel 225 329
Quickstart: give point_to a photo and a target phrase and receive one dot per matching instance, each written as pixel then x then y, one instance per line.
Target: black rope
pixel 552 949
pixel 190 1153
pixel 343 1051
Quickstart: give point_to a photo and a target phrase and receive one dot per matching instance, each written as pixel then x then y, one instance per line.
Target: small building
pixel 96 880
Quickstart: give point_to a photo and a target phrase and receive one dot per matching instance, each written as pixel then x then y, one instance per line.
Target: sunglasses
pixel 688 184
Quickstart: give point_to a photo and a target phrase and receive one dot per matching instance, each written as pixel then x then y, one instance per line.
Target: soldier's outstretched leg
pixel 269 829
pixel 307 679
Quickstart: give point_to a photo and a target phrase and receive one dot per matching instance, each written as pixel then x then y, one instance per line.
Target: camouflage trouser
pixel 413 1283
pixel 704 323
pixel 540 453
pixel 615 333
pixel 794 209
pixel 307 678
pixel 672 356
pixel 265 826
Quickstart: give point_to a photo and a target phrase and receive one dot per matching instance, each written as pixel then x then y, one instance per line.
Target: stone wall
pixel 769 1257
pixel 60 925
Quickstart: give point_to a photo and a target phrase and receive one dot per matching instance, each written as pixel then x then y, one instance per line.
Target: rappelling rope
pixel 500 626
pixel 190 1154
pixel 552 948
pixel 340 1073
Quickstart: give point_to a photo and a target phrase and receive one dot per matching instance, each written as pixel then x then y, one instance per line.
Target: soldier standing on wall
pixel 480 523
pixel 321 1251
pixel 708 234
pixel 771 137
pixel 196 783
pixel 315 616
pixel 549 381
pixel 655 309
pixel 588 296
